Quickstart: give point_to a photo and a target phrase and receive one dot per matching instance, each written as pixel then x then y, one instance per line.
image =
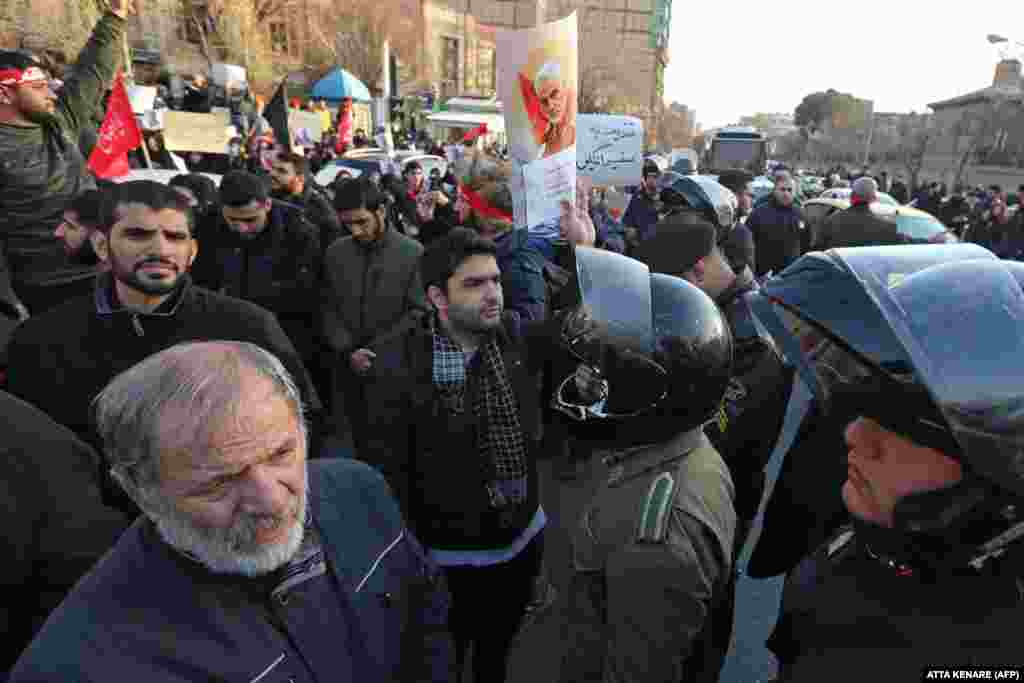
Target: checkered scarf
pixel 500 440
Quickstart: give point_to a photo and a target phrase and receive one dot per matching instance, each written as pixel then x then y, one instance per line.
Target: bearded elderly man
pixel 247 564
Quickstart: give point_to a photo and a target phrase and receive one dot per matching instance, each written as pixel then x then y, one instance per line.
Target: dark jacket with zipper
pixel 278 270
pixel 60 360
pixel 431 458
pixel 378 614
pixel 42 168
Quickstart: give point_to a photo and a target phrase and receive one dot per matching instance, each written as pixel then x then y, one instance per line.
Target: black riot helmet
pixel 924 340
pixel 661 344
pixel 699 193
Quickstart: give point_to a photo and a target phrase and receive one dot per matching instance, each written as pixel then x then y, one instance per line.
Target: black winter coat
pixel 778 235
pixel 317 209
pixel 430 458
pixel 60 360
pixel 55 526
pixel 278 270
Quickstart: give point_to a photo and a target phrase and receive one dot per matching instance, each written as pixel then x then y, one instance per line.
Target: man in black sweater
pixel 59 361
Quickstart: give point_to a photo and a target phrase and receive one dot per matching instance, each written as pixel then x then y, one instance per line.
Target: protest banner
pixel 609 149
pixel 537 83
pixel 189 132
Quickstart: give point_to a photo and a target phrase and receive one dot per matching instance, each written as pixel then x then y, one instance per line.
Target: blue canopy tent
pixel 339 84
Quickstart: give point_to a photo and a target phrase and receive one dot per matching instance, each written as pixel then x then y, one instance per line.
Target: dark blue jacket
pixel 642 214
pixel 522 278
pixel 778 236
pixel 147 613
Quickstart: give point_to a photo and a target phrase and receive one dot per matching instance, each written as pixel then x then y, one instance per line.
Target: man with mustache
pixel 41 166
pixel 247 564
pixel 147 302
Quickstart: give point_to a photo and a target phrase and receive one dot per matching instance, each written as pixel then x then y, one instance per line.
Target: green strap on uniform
pixel 654 513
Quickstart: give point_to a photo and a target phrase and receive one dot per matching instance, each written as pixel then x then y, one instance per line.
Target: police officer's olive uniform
pixel 652 581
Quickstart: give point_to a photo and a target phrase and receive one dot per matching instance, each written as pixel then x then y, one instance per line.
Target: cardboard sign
pixel 189 132
pixel 142 97
pixel 306 127
pixel 537 73
pixel 609 149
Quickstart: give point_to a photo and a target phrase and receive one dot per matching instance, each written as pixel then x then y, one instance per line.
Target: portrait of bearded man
pixel 551 107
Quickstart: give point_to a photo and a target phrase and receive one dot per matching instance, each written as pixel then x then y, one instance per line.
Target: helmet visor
pixel 848 386
pixel 611 331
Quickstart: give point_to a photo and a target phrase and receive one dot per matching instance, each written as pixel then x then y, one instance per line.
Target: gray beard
pixel 231 551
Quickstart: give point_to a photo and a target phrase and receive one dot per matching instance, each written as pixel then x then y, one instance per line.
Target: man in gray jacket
pixel 372 294
pixel 41 166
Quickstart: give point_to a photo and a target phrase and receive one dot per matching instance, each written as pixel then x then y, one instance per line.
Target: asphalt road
pixel 538 652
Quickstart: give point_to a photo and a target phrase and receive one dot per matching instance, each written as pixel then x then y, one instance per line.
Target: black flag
pixel 276 114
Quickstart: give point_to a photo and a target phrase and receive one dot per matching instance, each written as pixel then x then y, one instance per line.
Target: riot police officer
pixel 717 204
pixel 931 571
pixel 652 586
pixel 747 425
pixel 805 507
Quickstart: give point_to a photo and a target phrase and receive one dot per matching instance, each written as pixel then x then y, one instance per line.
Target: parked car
pixel 159 175
pixel 845 192
pixel 374 163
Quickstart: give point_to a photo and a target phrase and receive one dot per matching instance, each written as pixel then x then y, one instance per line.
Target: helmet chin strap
pixel 949 512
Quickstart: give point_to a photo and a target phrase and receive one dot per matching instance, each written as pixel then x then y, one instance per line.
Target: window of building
pixel 195 21
pixel 486 76
pixel 449 66
pixel 279 37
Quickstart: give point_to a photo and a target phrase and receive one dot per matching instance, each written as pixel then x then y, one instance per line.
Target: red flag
pixel 119 134
pixel 475 133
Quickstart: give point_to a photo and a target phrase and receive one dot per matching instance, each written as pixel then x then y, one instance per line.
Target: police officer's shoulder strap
pixel 655 509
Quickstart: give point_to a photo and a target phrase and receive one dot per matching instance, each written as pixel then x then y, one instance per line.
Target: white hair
pixel 551 71
pixel 200 383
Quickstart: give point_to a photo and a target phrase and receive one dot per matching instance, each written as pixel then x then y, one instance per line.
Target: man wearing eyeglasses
pixel 777 227
pixel 41 166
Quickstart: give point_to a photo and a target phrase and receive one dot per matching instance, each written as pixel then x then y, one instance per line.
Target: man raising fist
pixel 41 167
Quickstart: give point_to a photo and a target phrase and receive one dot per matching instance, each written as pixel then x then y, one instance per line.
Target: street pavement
pixel 538 652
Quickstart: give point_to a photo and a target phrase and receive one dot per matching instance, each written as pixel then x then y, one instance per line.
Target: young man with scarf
pixel 452 425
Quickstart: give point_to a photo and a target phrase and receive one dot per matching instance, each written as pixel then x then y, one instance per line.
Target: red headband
pixel 18 76
pixel 483 207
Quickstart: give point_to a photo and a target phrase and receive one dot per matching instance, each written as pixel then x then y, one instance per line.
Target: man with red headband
pixel 41 167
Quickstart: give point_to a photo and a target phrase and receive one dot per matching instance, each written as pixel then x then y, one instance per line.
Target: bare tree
pixel 352 33
pixel 237 31
pixel 57 37
pixel 916 134
pixel 985 129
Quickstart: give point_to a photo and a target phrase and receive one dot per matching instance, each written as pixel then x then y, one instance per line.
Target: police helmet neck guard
pixel 920 339
pixel 661 345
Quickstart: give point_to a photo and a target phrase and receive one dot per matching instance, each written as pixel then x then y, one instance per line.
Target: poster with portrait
pixel 537 84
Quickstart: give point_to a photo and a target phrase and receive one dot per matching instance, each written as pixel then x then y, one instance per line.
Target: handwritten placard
pixel 549 182
pixel 609 148
pixel 190 132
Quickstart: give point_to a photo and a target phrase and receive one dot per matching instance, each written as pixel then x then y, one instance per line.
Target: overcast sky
pixel 902 54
